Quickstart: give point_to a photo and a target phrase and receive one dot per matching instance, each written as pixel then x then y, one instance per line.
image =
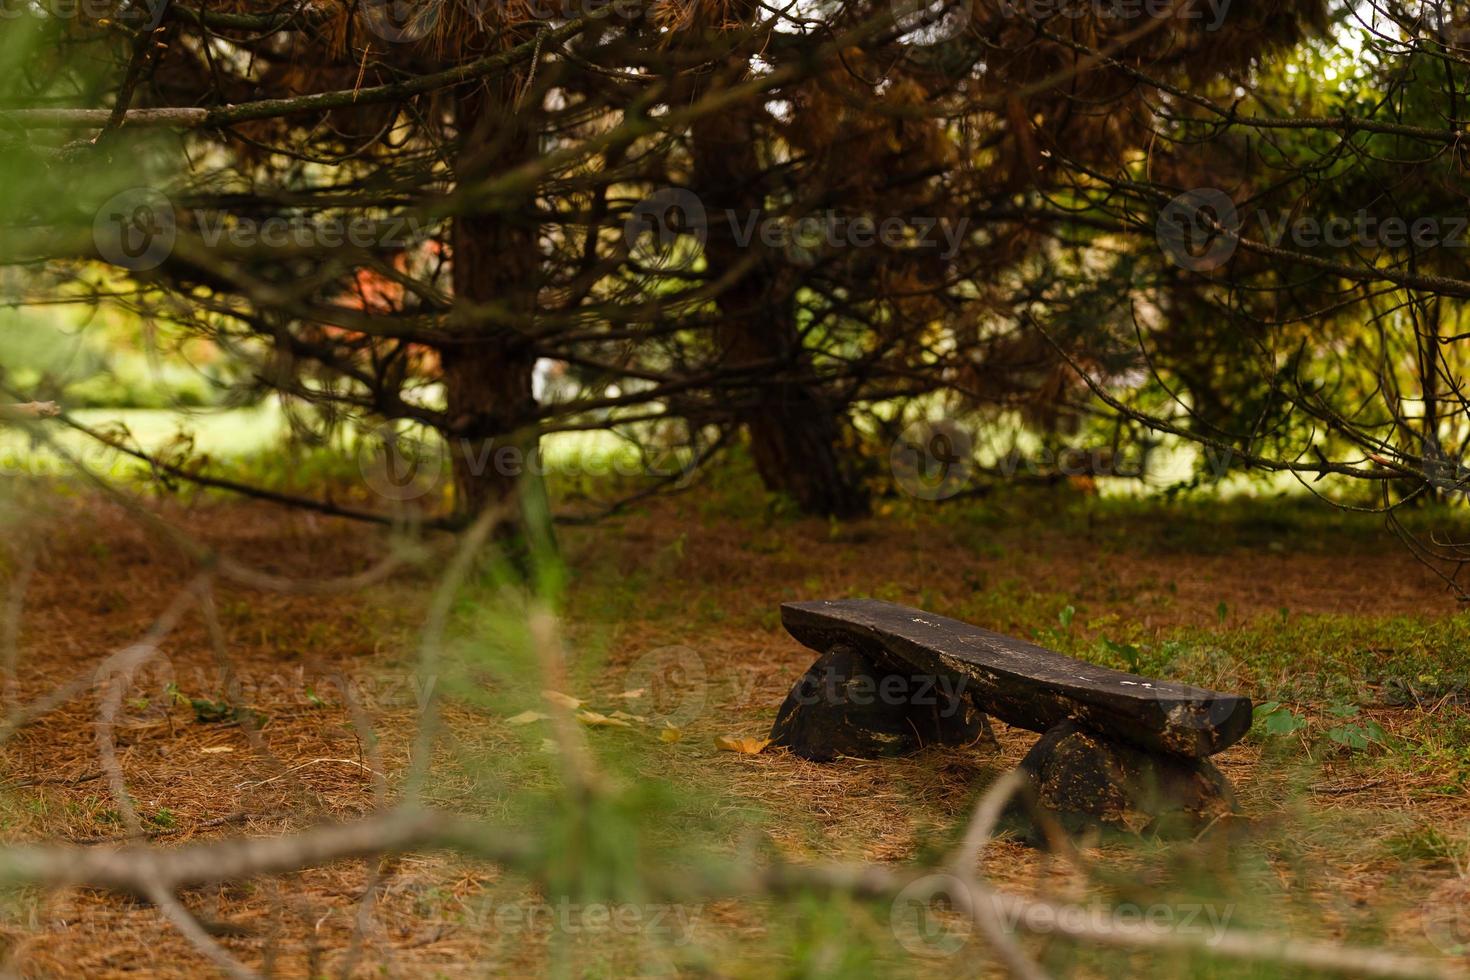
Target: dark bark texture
pixel 796 432
pixel 487 374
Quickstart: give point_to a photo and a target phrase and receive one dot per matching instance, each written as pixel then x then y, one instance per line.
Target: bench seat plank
pixel 1023 684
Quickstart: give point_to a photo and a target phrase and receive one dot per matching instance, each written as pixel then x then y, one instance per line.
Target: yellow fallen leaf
pixel 624 716
pixel 745 746
pixel 670 733
pixel 526 717
pixel 562 700
pixel 217 749
pixel 601 721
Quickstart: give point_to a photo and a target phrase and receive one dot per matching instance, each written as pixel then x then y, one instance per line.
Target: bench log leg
pixel 1087 780
pixel 846 704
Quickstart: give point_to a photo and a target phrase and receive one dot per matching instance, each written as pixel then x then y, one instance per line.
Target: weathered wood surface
pixel 1023 684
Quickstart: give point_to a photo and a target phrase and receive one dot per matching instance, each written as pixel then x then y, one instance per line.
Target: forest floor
pixel 1357 813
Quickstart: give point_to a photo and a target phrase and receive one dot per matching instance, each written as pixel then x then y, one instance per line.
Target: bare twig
pixel 30 410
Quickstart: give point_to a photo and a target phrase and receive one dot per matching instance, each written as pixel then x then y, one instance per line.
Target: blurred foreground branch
pixel 145 869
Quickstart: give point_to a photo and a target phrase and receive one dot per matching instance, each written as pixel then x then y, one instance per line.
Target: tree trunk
pixel 487 374
pixel 795 431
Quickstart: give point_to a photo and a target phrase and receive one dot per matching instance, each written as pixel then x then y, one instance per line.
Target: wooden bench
pixel 1116 748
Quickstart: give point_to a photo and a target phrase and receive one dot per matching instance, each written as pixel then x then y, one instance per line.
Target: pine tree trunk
pixel 796 433
pixel 487 374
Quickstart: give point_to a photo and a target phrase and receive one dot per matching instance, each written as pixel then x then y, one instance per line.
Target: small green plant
pixel 1346 727
pixel 1129 653
pixel 208 712
pixel 1353 731
pixel 1275 719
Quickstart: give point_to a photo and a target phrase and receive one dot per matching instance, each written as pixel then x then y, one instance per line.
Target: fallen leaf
pixel 637 692
pixel 670 733
pixel 217 749
pixel 601 721
pixel 526 717
pixel 745 746
pixel 562 700
pixel 624 716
